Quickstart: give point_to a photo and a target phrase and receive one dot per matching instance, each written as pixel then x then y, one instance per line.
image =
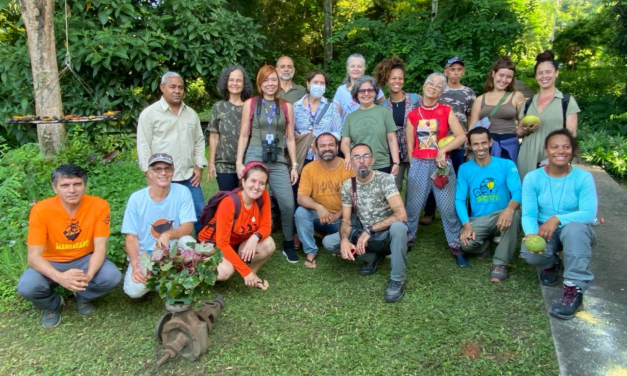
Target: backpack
pixel 565 101
pixel 209 211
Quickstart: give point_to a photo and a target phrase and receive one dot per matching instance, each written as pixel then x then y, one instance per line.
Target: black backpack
pixel 209 211
pixel 565 101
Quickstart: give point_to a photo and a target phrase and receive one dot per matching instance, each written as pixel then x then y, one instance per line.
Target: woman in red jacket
pixel 245 242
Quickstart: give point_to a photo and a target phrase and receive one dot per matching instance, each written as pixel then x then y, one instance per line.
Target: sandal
pixel 263 283
pixel 311 264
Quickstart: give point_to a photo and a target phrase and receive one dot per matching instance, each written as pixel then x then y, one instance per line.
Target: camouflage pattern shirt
pixel 461 101
pixel 225 120
pixel 372 197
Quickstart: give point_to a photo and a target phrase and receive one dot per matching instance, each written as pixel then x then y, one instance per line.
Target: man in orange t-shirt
pixel 67 246
pixel 319 195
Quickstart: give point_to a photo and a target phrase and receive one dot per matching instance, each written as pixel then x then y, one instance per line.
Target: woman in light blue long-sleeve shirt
pixel 559 203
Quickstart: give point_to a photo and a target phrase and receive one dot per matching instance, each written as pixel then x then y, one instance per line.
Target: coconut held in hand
pixel 529 121
pixel 535 243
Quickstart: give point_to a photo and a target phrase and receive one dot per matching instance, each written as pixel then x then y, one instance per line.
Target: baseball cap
pixel 160 157
pixel 453 60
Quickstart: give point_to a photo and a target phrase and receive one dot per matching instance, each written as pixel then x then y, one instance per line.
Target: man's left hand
pixel 197 177
pixel 395 169
pixel 362 243
pixel 505 220
pixel 164 240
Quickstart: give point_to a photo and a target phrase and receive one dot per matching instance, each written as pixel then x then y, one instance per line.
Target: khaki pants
pixel 485 230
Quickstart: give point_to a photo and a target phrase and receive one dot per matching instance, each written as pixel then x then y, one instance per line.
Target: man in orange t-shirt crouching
pixel 67 246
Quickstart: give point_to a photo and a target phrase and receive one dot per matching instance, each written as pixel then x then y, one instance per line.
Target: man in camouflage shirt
pixel 378 226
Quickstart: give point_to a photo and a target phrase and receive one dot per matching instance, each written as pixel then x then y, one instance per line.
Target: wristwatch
pixel 369 230
pixel 397 163
pixel 258 235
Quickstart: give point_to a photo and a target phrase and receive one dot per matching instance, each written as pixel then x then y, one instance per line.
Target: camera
pixel 268 151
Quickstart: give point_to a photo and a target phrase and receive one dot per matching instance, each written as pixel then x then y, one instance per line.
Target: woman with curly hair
pixel 226 115
pixel 391 72
pixel 500 105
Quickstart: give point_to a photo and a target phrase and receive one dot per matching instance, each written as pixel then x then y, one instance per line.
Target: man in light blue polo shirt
pixel 495 192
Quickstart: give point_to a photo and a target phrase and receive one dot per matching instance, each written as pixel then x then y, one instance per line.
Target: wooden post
pixel 38 16
pixel 328 47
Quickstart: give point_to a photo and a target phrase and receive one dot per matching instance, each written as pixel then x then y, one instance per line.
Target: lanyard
pixel 312 116
pixel 268 117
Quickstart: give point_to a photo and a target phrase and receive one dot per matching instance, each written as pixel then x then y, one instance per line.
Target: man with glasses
pixel 373 222
pixel 289 91
pixel 169 126
pixel 67 246
pixel 154 216
pixel 319 195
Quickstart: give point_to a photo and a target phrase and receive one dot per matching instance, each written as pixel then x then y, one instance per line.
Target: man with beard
pixel 319 195
pixel 378 226
pixel 289 91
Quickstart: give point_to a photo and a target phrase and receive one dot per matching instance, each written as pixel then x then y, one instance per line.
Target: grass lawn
pixel 327 321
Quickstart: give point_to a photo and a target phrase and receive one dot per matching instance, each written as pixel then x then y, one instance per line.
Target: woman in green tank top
pixel 267 128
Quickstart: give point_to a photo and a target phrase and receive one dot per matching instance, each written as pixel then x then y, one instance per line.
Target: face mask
pixel 317 91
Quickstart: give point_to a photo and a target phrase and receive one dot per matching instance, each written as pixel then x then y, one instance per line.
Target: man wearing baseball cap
pixel 154 215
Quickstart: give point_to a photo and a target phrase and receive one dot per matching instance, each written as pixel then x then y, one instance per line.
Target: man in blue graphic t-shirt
pixel 495 192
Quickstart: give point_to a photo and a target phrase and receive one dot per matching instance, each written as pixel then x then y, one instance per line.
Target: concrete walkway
pixel 528 92
pixel 594 343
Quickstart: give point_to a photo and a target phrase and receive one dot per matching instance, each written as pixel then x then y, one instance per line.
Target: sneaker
pixel 83 307
pixel 498 273
pixel 548 277
pixel 289 252
pixel 50 319
pixel 372 266
pixel 395 291
pixel 572 301
pixel 461 261
pixel 425 220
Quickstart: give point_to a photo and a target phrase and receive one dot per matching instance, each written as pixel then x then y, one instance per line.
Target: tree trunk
pixel 328 47
pixel 38 16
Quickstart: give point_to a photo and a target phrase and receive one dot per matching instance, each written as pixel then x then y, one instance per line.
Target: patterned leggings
pixel 419 185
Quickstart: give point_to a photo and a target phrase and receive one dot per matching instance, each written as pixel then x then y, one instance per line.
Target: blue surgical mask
pixel 317 91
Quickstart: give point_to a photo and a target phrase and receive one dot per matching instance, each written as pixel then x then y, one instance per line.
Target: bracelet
pixel 397 163
pixel 258 235
pixel 294 164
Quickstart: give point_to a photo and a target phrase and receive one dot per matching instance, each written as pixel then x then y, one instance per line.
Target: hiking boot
pixel 461 261
pixel 395 291
pixel 548 277
pixel 289 252
pixel 50 319
pixel 572 300
pixel 425 220
pixel 498 273
pixel 83 307
pixel 371 266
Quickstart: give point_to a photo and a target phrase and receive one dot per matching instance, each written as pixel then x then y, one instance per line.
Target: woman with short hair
pixel 245 241
pixel 355 68
pixel 371 125
pixel 500 106
pixel 226 116
pixel 559 204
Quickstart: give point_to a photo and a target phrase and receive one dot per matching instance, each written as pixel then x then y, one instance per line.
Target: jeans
pixel 39 289
pixel 392 240
pixel 227 181
pixel 576 240
pixel 198 198
pixel 307 222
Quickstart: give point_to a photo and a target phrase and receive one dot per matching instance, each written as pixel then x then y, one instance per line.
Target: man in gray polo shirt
pixel 289 91
pixel 171 127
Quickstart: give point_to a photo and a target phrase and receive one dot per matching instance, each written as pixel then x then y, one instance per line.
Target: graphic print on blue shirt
pixel 487 191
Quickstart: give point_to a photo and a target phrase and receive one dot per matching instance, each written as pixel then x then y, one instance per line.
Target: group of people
pixel 336 169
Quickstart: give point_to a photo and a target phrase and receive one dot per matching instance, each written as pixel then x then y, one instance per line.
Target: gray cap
pixel 160 157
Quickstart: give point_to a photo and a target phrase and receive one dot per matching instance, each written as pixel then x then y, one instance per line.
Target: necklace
pixel 559 203
pixel 429 108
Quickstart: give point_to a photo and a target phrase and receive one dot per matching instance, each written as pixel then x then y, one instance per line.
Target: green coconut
pixel 535 243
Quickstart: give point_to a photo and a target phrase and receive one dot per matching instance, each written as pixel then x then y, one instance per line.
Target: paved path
pixel 523 88
pixel 595 341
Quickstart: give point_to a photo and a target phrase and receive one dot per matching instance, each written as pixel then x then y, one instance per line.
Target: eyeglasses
pixel 159 170
pixel 367 90
pixel 358 157
pixel 437 86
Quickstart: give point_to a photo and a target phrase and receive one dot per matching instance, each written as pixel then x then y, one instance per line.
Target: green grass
pixel 327 321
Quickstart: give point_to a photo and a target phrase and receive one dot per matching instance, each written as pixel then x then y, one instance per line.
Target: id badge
pixel 270 138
